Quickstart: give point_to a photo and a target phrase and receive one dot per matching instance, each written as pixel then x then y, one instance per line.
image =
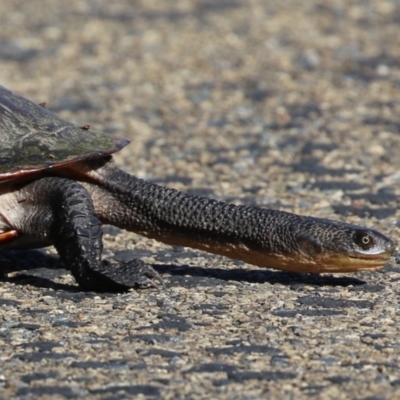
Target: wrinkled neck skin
pixel 262 237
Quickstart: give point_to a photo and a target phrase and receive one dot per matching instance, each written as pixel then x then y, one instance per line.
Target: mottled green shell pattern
pixel 33 138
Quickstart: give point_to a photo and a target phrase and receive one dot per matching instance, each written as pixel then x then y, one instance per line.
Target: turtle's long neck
pixel 258 236
pixel 176 218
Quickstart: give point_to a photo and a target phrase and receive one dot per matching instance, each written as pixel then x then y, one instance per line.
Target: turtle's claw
pixel 137 273
pixel 125 275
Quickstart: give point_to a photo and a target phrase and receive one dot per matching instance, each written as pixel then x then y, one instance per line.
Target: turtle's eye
pixel 364 239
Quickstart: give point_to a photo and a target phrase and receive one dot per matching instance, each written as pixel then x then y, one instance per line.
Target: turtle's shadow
pixel 40 270
pixel 199 276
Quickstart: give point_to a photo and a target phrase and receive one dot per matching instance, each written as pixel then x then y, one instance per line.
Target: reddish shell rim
pixel 22 172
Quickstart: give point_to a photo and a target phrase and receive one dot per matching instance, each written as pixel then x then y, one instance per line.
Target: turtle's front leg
pixel 60 211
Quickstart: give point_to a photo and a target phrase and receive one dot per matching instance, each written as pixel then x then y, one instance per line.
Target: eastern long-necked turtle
pixel 58 185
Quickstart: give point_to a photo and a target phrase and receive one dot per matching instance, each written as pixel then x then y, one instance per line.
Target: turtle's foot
pixel 125 275
pixel 134 273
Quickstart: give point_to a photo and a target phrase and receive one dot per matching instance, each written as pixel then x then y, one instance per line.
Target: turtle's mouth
pixel 353 262
pixel 325 262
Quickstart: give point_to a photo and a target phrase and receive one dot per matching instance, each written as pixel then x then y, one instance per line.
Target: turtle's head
pixel 339 247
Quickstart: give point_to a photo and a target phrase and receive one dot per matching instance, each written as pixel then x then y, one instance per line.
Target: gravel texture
pixel 290 105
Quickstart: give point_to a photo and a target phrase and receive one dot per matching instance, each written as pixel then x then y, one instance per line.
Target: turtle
pixel 59 185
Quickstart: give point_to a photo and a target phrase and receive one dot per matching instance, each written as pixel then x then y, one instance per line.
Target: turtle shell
pixel 33 138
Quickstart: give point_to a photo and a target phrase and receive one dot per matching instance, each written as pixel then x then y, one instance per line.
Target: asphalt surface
pixel 289 105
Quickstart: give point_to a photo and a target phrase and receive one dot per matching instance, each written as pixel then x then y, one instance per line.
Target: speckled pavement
pixel 290 105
